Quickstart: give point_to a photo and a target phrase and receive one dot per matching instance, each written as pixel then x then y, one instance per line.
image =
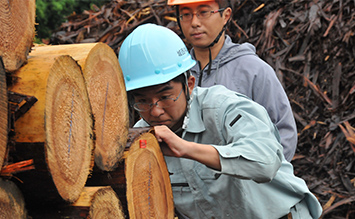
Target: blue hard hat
pixel 153 55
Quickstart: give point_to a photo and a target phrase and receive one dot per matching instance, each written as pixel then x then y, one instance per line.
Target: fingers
pixel 164 136
pixel 162 132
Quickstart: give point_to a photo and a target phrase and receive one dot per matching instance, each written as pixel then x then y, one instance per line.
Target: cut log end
pixel 149 193
pixel 68 124
pixel 12 204
pixel 108 99
pixel 17 22
pixel 107 96
pixel 105 204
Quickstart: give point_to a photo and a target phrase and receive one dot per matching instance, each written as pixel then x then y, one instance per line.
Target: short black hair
pixel 223 3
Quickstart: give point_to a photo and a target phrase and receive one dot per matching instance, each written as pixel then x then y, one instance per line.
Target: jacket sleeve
pixel 252 149
pixel 268 92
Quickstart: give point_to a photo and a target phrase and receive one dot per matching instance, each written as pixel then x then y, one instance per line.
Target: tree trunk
pixel 17 22
pixel 149 193
pixel 12 204
pixel 60 121
pixel 107 95
pixel 3 114
pixel 142 181
pixel 115 179
pixel 105 204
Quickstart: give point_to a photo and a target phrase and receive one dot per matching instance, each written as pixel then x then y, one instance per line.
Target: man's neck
pixel 202 54
pixel 177 128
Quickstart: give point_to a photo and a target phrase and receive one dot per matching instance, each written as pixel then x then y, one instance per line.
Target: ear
pixel 227 14
pixel 191 83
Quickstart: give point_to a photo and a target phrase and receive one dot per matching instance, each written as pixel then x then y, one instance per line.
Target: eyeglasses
pixel 162 103
pixel 202 14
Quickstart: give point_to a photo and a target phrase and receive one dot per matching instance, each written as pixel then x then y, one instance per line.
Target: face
pixel 171 116
pixel 202 32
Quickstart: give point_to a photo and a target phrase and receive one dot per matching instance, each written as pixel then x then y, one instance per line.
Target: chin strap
pixel 214 41
pixel 209 46
pixel 182 130
pixel 187 115
pixel 188 104
pixel 218 36
pixel 186 118
pixel 209 67
pixel 187 74
pixel 210 54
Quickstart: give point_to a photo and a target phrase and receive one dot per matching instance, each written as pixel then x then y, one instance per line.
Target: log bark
pixel 149 193
pixel 12 204
pixel 3 114
pixel 17 22
pixel 107 95
pixel 61 119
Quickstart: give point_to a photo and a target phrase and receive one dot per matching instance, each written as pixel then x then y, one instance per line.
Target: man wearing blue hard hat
pixel 222 151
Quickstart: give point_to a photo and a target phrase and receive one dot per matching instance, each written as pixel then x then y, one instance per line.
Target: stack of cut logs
pixel 66 149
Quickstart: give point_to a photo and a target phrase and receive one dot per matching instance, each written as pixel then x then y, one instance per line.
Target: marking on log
pixel 103 117
pixel 142 143
pixel 71 122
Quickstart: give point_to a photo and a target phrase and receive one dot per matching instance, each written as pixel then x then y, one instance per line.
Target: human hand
pixel 173 145
pixel 170 143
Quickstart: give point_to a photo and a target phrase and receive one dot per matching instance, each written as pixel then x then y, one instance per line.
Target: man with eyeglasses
pixel 221 148
pixel 236 66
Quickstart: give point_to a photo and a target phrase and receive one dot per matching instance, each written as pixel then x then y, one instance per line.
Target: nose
pixel 156 111
pixel 195 21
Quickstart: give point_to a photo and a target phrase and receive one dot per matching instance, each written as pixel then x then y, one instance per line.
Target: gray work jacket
pixel 238 68
pixel 255 180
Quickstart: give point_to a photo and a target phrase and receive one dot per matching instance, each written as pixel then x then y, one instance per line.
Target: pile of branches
pixel 113 22
pixel 311 46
